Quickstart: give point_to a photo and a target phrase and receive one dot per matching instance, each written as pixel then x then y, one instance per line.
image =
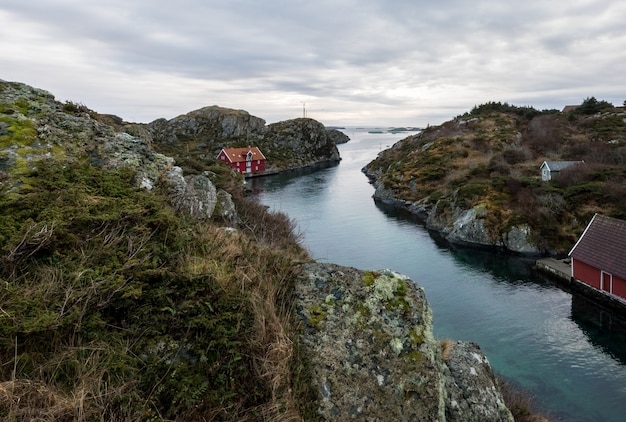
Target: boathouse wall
pixel 599 279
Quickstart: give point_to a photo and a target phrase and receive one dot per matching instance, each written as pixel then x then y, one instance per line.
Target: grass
pixel 521 404
pixel 114 307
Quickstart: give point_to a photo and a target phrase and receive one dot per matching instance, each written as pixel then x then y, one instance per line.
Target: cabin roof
pixel 559 165
pixel 568 108
pixel 603 245
pixel 236 155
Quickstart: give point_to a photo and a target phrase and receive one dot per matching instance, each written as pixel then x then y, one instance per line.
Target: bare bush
pixel 517 155
pixel 576 174
pixel 553 202
pixel 271 228
pixel 544 134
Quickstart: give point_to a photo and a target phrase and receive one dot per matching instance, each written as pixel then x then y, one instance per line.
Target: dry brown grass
pixel 446 348
pixel 25 400
pixel 264 274
pixel 521 404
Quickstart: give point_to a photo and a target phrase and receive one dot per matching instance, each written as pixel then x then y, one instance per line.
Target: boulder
pixel 194 195
pixel 367 337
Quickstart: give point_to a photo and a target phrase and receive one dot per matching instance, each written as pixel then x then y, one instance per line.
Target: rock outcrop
pixel 372 355
pixel 208 125
pixel 337 136
pixel 41 128
pixel 299 143
pixel 457 225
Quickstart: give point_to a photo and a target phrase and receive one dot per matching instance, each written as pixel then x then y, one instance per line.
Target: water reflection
pixel 604 328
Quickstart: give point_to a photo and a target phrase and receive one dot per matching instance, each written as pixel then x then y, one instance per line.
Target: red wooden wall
pixel 591 276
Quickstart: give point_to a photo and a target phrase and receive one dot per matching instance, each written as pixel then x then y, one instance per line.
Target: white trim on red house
pixel 583 235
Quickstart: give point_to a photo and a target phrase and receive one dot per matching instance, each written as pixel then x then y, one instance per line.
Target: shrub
pixel 516 155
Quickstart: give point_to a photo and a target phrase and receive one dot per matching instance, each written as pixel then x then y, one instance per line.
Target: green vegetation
pixel 491 157
pixel 20 132
pixel 113 307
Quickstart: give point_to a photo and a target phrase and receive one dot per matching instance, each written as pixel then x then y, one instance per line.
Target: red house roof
pixel 237 155
pixel 603 245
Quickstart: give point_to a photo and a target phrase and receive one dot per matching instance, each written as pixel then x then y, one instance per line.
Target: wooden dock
pixel 559 268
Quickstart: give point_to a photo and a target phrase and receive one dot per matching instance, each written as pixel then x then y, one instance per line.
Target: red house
pixel 599 256
pixel 248 160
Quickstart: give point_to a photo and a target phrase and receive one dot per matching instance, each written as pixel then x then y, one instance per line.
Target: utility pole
pixel 303 109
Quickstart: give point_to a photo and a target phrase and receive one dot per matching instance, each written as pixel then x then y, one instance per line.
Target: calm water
pixel 535 334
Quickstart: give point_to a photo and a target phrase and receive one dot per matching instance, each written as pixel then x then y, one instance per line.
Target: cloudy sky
pixel 347 62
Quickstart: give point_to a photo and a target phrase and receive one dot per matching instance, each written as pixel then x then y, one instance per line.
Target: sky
pixel 342 62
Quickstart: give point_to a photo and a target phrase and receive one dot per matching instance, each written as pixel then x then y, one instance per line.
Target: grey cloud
pixel 357 53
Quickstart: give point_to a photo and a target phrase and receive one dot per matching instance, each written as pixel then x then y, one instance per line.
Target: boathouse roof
pixel 603 245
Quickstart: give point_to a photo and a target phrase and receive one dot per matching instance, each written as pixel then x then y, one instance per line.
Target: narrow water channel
pixel 535 333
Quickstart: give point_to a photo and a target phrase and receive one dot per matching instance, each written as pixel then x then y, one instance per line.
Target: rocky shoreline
pixel 463 227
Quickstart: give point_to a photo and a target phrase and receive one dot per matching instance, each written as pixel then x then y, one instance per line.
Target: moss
pixel 416 357
pixel 369 277
pixel 399 303
pixel 316 316
pixel 22 132
pixel 417 336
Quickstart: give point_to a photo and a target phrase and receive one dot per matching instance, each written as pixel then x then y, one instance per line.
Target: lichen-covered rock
pixel 38 127
pixel 123 149
pixel 194 194
pixel 469 398
pixel 299 143
pixel 372 355
pixel 225 208
pixel 207 124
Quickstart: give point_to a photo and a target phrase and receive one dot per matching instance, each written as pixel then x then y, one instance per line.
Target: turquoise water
pixel 536 334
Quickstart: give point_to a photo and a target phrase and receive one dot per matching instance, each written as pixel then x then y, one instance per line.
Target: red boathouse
pixel 599 256
pixel 248 160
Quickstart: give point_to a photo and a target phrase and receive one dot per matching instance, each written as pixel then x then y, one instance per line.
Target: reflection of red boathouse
pixel 248 160
pixel 599 256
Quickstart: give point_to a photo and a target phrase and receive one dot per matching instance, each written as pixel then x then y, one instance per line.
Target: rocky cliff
pixel 466 227
pixel 369 340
